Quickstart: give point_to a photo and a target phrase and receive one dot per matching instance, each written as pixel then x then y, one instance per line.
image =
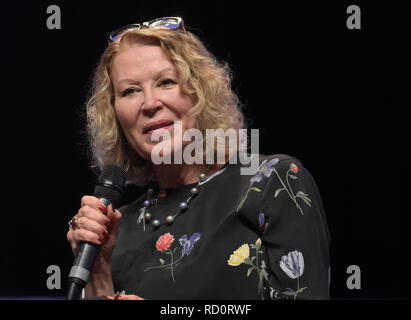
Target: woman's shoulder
pixel 282 163
pixel 279 158
pixel 243 157
pixel 256 162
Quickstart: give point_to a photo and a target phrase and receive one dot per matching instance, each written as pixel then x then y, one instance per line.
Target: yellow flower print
pixel 242 256
pixel 239 255
pixel 258 243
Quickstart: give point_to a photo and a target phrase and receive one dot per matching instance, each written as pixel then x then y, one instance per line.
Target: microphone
pixel 109 188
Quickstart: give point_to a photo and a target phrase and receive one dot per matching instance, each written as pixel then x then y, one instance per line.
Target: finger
pixel 83 235
pixel 71 241
pixel 75 237
pixel 93 214
pixel 113 214
pixel 92 202
pixel 88 224
pixel 115 218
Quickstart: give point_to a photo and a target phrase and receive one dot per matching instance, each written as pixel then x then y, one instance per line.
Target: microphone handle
pixel 83 265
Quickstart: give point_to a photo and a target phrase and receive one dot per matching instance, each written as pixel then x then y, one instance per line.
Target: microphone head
pixel 111 183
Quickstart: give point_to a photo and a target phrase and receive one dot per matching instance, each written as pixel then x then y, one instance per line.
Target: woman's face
pixel 148 98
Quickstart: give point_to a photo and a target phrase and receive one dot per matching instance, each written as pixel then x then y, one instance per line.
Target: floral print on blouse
pixel 263 236
pixel 163 244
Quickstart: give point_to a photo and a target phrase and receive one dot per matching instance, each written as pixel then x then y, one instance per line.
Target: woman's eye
pixel 127 91
pixel 167 82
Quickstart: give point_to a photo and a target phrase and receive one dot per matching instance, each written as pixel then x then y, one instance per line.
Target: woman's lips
pixel 149 128
pixel 150 132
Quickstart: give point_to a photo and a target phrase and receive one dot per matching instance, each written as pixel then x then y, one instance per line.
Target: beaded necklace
pixel 146 217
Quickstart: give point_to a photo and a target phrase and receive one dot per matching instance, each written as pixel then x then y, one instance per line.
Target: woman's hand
pixel 99 225
pixel 96 224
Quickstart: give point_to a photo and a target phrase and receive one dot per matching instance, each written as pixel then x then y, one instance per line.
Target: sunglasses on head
pixel 170 23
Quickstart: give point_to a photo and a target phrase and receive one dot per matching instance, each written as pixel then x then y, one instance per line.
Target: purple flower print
pixel 293 265
pixel 188 245
pixel 265 170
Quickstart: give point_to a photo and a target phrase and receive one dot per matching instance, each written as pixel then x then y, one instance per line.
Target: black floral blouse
pixel 241 237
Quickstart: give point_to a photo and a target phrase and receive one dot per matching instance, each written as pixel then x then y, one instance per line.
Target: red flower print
pixel 294 168
pixel 163 245
pixel 164 242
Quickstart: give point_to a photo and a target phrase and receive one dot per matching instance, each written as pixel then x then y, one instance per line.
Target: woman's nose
pixel 151 103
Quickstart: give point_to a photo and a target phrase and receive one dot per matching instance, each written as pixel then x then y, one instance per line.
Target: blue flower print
pixel 265 169
pixel 261 219
pixel 293 265
pixel 188 245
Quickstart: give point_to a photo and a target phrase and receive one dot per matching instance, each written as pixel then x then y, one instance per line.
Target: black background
pixel 337 99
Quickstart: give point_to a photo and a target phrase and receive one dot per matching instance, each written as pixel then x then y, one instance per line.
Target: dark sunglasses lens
pixel 169 23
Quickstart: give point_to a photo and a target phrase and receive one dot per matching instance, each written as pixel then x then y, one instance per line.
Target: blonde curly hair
pixel 200 75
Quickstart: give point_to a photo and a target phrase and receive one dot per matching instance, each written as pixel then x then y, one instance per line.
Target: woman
pixel 202 230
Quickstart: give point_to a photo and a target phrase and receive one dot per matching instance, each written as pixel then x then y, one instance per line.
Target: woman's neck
pixel 174 175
